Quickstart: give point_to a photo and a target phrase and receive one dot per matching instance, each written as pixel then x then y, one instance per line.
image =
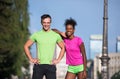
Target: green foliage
pixel 99 75
pixel 116 75
pixel 14 22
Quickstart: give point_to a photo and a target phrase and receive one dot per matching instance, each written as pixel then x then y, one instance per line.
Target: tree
pixel 116 75
pixel 14 22
pixel 99 75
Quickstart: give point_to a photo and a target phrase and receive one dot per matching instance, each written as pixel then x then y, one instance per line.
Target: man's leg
pixel 50 72
pixel 38 72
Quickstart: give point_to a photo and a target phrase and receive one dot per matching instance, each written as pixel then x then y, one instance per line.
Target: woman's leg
pixel 80 75
pixel 70 75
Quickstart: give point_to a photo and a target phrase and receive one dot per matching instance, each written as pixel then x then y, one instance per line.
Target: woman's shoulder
pixel 77 37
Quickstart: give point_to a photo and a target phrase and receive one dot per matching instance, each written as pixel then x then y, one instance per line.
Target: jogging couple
pixel 46 40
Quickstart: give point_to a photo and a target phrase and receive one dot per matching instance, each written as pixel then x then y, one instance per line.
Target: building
pixel 114 65
pixel 118 44
pixel 90 69
pixel 61 67
pixel 95 45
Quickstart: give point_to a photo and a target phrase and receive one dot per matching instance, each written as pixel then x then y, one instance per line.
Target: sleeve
pixel 59 38
pixel 80 41
pixel 33 37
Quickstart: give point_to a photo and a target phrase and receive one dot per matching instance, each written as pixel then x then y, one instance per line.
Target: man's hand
pixel 35 60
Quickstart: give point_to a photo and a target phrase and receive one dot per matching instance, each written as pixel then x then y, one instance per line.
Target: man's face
pixel 69 30
pixel 46 24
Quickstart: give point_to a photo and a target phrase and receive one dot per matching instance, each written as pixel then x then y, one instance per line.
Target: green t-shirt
pixel 46 42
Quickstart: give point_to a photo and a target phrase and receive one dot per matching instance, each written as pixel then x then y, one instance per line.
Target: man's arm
pixel 27 45
pixel 61 54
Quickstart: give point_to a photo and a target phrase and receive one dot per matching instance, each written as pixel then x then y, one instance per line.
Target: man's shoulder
pixel 36 33
pixel 54 32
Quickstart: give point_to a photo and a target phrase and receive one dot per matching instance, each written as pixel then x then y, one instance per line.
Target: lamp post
pixel 105 58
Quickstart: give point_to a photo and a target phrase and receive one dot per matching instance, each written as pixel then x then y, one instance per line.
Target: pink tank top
pixel 73 54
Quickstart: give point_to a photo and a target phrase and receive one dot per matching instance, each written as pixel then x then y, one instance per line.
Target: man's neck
pixel 46 30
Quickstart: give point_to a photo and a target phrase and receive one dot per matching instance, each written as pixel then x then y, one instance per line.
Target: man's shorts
pixel 75 69
pixel 40 70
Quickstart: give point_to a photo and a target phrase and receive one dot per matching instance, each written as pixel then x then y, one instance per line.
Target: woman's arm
pixel 62 34
pixel 82 48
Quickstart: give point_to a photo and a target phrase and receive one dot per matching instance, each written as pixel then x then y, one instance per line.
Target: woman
pixel 75 51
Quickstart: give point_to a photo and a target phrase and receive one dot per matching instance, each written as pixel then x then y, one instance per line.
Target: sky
pixel 87 13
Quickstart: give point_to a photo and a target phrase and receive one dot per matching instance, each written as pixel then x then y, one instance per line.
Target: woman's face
pixel 69 30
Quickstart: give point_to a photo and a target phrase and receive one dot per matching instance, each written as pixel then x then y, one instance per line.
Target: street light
pixel 105 58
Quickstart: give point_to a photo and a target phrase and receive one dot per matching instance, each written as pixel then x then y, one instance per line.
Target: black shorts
pixel 40 70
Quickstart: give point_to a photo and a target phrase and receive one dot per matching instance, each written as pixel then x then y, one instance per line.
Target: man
pixel 45 40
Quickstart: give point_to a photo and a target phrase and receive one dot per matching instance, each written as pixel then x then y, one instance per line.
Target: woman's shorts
pixel 75 69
